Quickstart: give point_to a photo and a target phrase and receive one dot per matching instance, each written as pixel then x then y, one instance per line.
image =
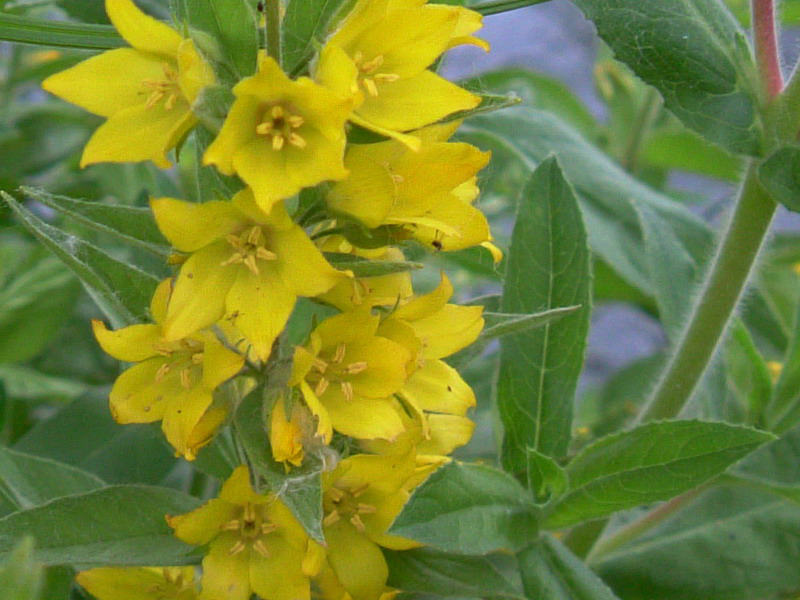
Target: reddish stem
pixel 766 40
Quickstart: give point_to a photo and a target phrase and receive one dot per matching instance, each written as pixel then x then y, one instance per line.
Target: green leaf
pixel 686 151
pixel 775 467
pixel 730 544
pixel 780 176
pixel 59 34
pixel 783 411
pixel 27 481
pixel 672 270
pixel 696 55
pixel 747 373
pixel 305 25
pixel 24 383
pixel 489 103
pixel 549 570
pixel 363 267
pixel 301 488
pixel 232 25
pixel 546 478
pixel 129 454
pixel 494 7
pixel 548 267
pixel 468 509
pixel 130 224
pixel 653 462
pixel 21 578
pixel 119 289
pixel 428 571
pixel 121 525
pixel 213 105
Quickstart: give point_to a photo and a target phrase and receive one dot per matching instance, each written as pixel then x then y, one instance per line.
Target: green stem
pixel 644 119
pixel 637 528
pixel 273 14
pixel 713 307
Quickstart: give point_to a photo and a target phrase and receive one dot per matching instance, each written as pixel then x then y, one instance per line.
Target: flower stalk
pixel 272 11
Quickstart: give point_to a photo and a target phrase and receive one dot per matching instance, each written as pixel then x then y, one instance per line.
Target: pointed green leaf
pixel 653 462
pixel 120 525
pixel 362 267
pixel 780 176
pixel 428 571
pixel 501 324
pixel 783 412
pixel 305 26
pixel 27 481
pixel 468 509
pixel 548 267
pixel 547 479
pixel 489 103
pixel 549 570
pixel 130 224
pixel 121 290
pixel 24 383
pixel 494 7
pixel 59 34
pixel 696 55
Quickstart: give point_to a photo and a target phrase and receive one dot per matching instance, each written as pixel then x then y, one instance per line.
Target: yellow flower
pixel 427 194
pixel 145 583
pixel 348 376
pixel 361 498
pixel 331 588
pixel 255 545
pixel 381 55
pixel 145 92
pixel 286 435
pixel 281 135
pixel 172 382
pixel 245 265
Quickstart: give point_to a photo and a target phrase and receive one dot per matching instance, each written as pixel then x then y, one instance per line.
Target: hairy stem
pixel 713 307
pixel 272 10
pixel 766 42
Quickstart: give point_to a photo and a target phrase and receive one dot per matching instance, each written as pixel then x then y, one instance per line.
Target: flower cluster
pixel 369 384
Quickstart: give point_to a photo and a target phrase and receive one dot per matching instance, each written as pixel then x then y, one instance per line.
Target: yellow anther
pixel 358 523
pixel 235 259
pixel 170 103
pixel 259 547
pixel 250 261
pixel 331 518
pixel 356 368
pixel 320 365
pixel 338 356
pixel 372 89
pixel 264 128
pixel 277 141
pixel 357 491
pixel 186 381
pixel 197 358
pixel 254 236
pixel 347 390
pixel 366 509
pixel 234 240
pixel 322 386
pixel 265 254
pixel 296 121
pixel 162 372
pixel 397 179
pixel 237 548
pixel 268 528
pixel 233 525
pixel 277 112
pixel 386 77
pixel 336 494
pixel 297 140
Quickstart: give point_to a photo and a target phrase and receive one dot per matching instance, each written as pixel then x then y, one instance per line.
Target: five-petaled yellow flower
pixel 426 194
pixel 255 545
pixel 348 376
pixel 140 583
pixel 173 381
pixel 281 135
pixel 380 56
pixel 361 498
pixel 245 265
pixel 145 92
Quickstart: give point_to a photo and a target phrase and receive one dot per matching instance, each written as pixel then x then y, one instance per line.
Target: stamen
pixel 356 368
pixel 235 259
pixel 254 236
pixel 264 128
pixel 297 140
pixel 162 372
pixel 277 112
pixel 237 548
pixel 259 547
pixel 321 387
pixel 197 358
pixel 186 382
pixel 386 77
pixel 331 518
pixel 265 254
pixel 277 141
pixel 320 365
pixel 347 390
pixel 338 356
pixel 357 491
pixel 372 89
pixel 358 523
pixel 250 261
pixel 235 241
pixel 336 494
pixel 296 121
pixel 231 525
pixel 366 509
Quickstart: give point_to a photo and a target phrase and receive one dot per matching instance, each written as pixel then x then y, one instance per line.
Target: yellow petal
pixel 131 344
pixel 264 170
pixel 139 133
pixel 409 140
pixel 449 330
pixel 204 431
pixel 412 103
pixel 238 129
pixel 314 560
pixel 279 575
pixel 137 397
pixel 203 524
pixel 96 85
pixel 198 299
pixel 438 387
pixel 427 304
pixel 469 22
pixel 363 418
pixel 268 84
pixel 302 267
pixel 357 561
pixel 285 436
pixel 182 415
pixel 219 363
pixel 142 31
pixel 190 226
pixel 354 327
pixel 134 583
pixel 337 72
pixel 194 73
pixel 160 300
pixel 259 306
pixel 324 425
pixel 384 475
pixel 447 432
pixel 385 372
pixel 226 575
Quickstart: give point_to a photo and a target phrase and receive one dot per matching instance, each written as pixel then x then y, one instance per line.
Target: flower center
pixel 249 247
pixel 252 526
pixel 335 370
pixel 279 125
pixel 166 89
pixel 368 74
pixel 175 587
pixel 186 357
pixel 342 503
